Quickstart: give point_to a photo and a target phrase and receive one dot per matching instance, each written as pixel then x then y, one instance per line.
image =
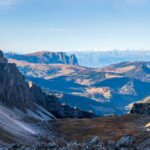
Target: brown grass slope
pixel 104 127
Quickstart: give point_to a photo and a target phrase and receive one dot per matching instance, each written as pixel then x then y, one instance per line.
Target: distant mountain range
pixel 106 90
pixel 98 59
pixel 94 59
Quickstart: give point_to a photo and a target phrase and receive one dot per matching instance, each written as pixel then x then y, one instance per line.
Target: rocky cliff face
pixel 45 58
pixel 142 107
pixel 16 93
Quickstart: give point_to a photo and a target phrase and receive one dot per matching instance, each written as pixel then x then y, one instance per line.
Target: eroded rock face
pixel 73 60
pixel 14 91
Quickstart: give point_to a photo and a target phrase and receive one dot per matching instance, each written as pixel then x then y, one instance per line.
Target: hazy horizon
pixel 28 26
pixel 73 51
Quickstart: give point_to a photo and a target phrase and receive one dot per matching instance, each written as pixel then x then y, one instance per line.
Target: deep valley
pixel 71 107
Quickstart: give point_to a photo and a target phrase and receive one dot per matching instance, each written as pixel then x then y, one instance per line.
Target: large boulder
pixel 126 141
pixel 111 145
pixel 141 108
pixel 145 145
pixel 94 144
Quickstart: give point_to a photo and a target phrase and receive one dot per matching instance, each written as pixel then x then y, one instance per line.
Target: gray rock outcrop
pixel 141 108
pixel 14 91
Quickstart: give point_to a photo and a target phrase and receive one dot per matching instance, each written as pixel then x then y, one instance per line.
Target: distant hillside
pixel 119 84
pixel 45 57
pixel 146 100
pixel 88 104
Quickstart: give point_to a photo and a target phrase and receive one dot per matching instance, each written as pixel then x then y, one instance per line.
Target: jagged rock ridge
pixel 14 92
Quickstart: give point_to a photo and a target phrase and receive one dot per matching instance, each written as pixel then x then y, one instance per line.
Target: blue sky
pixel 32 25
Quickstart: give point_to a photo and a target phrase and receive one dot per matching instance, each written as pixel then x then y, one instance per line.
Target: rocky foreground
pixel 105 133
pixel 125 143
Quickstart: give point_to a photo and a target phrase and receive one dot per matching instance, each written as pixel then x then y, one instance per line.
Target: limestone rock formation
pixel 45 57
